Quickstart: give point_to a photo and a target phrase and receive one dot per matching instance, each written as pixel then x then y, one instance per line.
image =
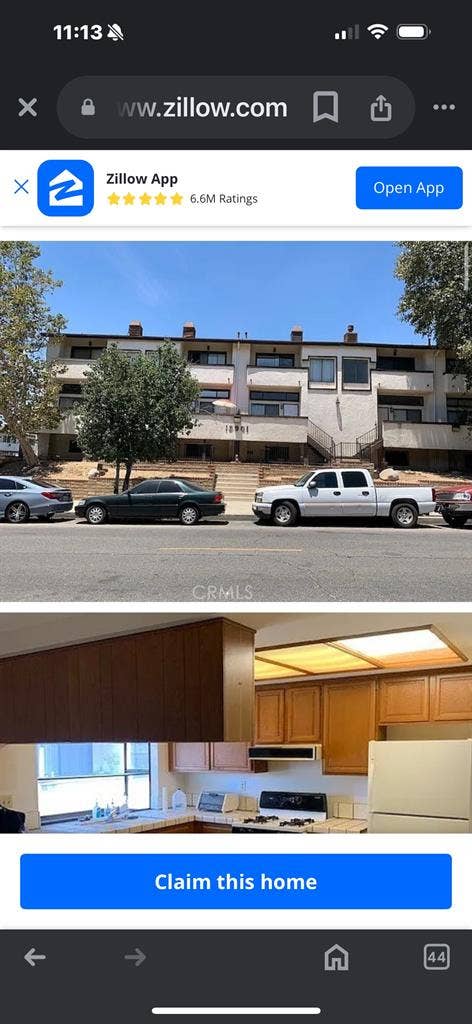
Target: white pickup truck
pixel 342 492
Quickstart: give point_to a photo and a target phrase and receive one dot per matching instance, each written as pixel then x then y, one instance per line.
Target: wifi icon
pixel 377 30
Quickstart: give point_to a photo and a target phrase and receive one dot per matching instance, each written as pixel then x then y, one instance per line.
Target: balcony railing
pixel 421 381
pixel 438 436
pixel 282 377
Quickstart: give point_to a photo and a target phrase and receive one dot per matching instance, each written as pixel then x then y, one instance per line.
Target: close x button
pixel 409 188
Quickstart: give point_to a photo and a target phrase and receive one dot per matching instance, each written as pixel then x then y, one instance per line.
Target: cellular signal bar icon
pixel 347 34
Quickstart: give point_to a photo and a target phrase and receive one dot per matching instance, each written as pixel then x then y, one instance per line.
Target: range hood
pixel 286 752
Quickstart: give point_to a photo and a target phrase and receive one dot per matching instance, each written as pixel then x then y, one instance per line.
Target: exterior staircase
pixel 238 482
pixel 363 450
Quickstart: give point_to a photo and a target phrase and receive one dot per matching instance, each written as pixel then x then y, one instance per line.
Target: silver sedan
pixel 21 498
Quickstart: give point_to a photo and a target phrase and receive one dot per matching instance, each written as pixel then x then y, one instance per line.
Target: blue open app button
pixel 65 188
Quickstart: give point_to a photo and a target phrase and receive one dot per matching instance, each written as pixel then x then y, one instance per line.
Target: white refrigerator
pixel 420 786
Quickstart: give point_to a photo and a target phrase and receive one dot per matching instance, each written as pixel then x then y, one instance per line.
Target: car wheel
pixel 284 514
pixel 96 515
pixel 404 516
pixel 17 512
pixel 189 515
pixel 456 521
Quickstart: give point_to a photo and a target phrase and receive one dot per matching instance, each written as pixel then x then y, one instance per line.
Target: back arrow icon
pixel 32 956
pixel 138 957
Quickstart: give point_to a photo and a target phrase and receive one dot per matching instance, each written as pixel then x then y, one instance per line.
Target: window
pixel 322 370
pixel 7 485
pixel 413 400
pixel 71 395
pixel 72 777
pixel 274 403
pixel 453 365
pixel 395 363
pixel 354 479
pixel 355 371
pixel 146 487
pixel 207 396
pixel 274 396
pixel 169 487
pixel 207 358
pixel 325 480
pixel 274 360
pixel 86 352
pixel 459 411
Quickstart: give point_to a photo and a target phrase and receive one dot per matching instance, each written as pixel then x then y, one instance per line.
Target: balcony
pixel 283 429
pixel 74 369
pixel 454 383
pixel 68 424
pixel 284 378
pixel 438 436
pixel 421 381
pixel 213 376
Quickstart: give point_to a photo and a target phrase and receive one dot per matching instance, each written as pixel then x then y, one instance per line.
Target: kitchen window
pixel 322 370
pixel 355 371
pixel 73 777
pixel 207 358
pixel 275 361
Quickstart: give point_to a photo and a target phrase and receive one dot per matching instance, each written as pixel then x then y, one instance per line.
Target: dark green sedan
pixel 153 499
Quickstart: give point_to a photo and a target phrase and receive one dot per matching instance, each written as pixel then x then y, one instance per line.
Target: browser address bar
pixel 228 107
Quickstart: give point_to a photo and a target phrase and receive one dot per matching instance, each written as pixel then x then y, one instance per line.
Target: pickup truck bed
pixel 342 492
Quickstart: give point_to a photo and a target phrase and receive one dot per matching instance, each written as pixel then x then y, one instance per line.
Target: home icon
pixel 336 959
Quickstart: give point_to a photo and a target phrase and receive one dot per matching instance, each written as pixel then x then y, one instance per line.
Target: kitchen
pixel 367 732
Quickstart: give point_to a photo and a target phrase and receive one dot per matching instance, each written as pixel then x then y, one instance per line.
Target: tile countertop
pixel 147 821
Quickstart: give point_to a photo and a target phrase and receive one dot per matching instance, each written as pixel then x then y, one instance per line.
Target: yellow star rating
pixel 145 199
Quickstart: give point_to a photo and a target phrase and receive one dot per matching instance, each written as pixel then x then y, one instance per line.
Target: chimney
pixel 189 332
pixel 135 329
pixel 296 334
pixel 351 336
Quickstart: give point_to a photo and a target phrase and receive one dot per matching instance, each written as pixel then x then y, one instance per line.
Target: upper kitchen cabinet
pixel 451 697
pixel 402 700
pixel 192 682
pixel 233 757
pixel 290 714
pixel 189 757
pixel 270 720
pixel 303 714
pixel 348 726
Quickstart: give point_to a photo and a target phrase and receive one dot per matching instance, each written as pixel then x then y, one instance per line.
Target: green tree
pixel 29 387
pixel 133 409
pixel 437 296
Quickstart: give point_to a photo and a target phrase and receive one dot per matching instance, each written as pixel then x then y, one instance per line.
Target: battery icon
pixel 412 33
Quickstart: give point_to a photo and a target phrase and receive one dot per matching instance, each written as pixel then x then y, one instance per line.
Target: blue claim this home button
pixel 409 188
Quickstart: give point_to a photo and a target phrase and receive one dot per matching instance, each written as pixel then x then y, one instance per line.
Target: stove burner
pixel 260 819
pixel 295 822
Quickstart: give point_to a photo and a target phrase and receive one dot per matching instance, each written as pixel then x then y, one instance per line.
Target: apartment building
pixel 295 400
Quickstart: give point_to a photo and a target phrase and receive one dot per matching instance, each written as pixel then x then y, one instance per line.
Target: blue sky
pixel 263 288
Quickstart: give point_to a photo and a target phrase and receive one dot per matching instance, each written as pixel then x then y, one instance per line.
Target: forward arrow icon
pixel 138 957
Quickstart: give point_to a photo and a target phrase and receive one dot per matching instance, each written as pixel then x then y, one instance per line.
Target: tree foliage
pixel 437 296
pixel 134 408
pixel 29 387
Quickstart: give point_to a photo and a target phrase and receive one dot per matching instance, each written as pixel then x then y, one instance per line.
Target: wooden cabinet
pixel 348 726
pixel 217 757
pixel 270 718
pixel 403 700
pixel 288 714
pixel 193 682
pixel 189 757
pixel 451 698
pixel 303 714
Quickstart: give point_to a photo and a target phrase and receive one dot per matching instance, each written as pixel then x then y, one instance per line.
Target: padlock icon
pixel 88 108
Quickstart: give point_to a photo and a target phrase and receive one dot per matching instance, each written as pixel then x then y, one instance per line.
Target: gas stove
pixel 295 812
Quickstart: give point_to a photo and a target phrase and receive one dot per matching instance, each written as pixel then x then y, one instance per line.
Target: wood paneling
pixel 191 682
pixel 303 714
pixel 270 717
pixel 348 726
pixel 451 698
pixel 189 757
pixel 403 700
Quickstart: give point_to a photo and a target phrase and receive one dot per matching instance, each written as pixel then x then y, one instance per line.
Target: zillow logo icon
pixel 65 188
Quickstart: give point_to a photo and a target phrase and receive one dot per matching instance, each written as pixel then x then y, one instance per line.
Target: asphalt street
pixel 235 561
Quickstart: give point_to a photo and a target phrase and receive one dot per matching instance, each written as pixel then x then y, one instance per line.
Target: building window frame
pixel 204 357
pixel 329 383
pixel 262 360
pixel 356 385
